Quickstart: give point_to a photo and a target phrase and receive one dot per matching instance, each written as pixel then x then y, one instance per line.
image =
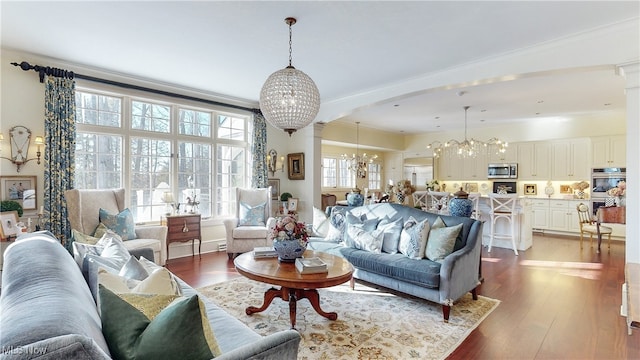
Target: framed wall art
pixel 21 189
pixel 296 166
pixel 8 222
pixel 275 188
pixel 566 189
pixel 293 204
pixel 530 189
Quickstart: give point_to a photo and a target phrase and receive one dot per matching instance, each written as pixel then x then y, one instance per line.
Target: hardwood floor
pixel 557 302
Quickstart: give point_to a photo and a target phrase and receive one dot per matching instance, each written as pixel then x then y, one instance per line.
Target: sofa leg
pixel 474 293
pixel 352 283
pixel 446 309
pixel 230 255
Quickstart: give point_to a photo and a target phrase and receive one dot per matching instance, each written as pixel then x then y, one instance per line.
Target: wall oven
pixel 603 179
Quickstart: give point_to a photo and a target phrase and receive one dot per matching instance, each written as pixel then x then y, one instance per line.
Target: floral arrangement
pixel 433 185
pixel 619 190
pixel 581 186
pixel 288 228
pixel 401 189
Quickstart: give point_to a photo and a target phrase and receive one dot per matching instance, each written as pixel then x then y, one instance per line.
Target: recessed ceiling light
pixel 540 101
pixel 437 117
pixel 607 104
pixel 396 105
pixel 483 110
pixel 482 120
pixel 537 113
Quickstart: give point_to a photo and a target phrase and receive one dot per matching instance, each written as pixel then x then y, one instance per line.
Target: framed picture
pixel 275 188
pixel 21 189
pixel 293 204
pixel 530 189
pixel 8 221
pixel 296 166
pixel 566 189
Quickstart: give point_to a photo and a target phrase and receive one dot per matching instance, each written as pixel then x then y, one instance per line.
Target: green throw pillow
pixel 441 242
pixel 77 236
pixel 121 223
pixel 138 326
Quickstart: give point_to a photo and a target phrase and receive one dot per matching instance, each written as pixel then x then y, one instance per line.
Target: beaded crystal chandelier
pixel 358 163
pixel 468 148
pixel 289 99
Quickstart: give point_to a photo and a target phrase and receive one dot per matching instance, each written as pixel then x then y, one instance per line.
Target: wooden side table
pixel 183 228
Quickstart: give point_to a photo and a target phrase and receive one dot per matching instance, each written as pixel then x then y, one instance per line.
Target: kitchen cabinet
pixel 571 160
pixel 450 165
pixel 533 161
pixel 475 169
pixel 509 156
pixel 540 210
pixel 609 151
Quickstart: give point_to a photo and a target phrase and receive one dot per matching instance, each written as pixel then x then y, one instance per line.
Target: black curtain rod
pixel 51 71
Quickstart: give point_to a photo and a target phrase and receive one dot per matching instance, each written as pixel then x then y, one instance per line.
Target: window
pixel 346 177
pixel 329 172
pixel 375 176
pixel 150 146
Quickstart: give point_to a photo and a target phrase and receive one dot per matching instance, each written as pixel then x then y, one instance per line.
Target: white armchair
pixel 83 207
pixel 242 235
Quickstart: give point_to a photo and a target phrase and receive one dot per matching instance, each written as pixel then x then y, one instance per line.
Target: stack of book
pixel 312 265
pixel 264 252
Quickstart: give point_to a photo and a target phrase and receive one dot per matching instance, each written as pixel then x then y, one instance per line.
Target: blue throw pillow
pixel 337 222
pixel 251 215
pixel 121 223
pixel 413 239
pixel 392 231
pixel 368 225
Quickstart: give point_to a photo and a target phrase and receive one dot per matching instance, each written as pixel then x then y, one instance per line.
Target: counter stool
pixel 475 199
pixel 503 207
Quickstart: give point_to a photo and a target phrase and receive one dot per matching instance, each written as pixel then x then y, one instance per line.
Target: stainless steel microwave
pixel 502 171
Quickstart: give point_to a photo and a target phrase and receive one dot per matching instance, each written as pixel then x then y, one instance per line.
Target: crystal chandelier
pixel 289 99
pixel 468 148
pixel 358 163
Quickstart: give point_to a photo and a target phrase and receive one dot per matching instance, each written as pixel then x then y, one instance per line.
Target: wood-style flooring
pixel 557 301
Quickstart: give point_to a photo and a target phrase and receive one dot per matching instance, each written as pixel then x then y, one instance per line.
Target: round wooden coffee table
pixel 293 285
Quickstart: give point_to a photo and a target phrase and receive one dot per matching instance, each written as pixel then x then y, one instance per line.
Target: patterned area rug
pixel 372 323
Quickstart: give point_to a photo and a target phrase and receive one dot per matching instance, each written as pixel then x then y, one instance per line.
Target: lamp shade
pixel 167 197
pixel 289 99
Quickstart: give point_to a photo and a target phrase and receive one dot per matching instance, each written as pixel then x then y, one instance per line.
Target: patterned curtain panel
pixel 60 144
pixel 259 152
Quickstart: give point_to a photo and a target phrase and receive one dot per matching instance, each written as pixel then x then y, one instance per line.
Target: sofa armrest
pixel 281 345
pixel 155 232
pixel 459 270
pixel 147 253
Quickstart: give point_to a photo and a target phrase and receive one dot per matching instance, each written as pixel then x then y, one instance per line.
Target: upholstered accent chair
pixel 83 207
pixel 252 221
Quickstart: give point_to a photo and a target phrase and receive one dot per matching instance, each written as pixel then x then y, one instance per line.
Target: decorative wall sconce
pixel 272 162
pixel 20 140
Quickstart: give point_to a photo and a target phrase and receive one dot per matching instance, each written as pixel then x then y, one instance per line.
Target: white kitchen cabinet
pixel 449 165
pixel 533 161
pixel 475 169
pixel 609 151
pixel 571 160
pixel 540 210
pixel 509 156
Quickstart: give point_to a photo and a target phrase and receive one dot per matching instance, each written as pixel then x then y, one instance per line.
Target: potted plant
pixel 11 205
pixel 284 198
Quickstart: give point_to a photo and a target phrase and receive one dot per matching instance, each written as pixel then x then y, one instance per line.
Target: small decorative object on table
pixel 617 194
pixel 355 198
pixel 313 265
pixel 579 188
pixel 548 190
pixel 290 238
pixel 264 252
pixel 460 205
pixel 401 190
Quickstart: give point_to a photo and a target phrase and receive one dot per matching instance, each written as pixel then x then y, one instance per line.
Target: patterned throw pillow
pixel 413 239
pixel 337 227
pixel 441 242
pixel 392 231
pixel 121 223
pixel 363 240
pixel 139 326
pixel 362 222
pixel 251 215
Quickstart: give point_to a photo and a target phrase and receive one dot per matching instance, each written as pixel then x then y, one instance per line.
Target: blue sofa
pixel 440 282
pixel 47 311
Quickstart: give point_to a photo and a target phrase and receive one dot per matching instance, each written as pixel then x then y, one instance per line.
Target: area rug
pixel 372 322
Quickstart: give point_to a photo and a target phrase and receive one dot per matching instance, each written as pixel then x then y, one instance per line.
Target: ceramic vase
pixel 400 198
pixel 460 205
pixel 289 249
pixel 354 198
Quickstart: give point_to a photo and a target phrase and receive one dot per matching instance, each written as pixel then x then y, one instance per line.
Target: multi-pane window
pixel 375 176
pixel 329 172
pixel 150 147
pixel 346 177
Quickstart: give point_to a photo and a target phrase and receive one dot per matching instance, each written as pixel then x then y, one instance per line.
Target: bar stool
pixel 475 199
pixel 503 207
pixel 439 201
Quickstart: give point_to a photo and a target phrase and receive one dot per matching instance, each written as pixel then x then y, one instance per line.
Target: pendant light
pixel 289 99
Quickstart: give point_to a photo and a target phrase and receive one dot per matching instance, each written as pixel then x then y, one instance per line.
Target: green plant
pixel 285 196
pixel 10 205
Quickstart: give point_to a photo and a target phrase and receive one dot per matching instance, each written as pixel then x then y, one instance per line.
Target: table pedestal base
pixel 292 296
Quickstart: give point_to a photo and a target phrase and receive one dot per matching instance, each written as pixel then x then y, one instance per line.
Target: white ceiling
pixel 348 47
